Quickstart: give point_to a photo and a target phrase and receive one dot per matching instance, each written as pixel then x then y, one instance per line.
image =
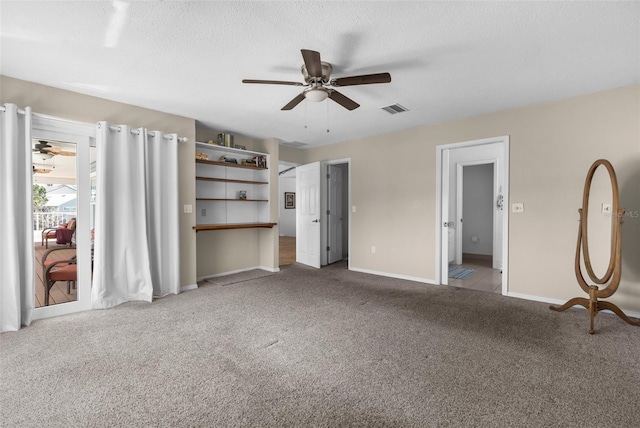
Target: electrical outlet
pixel 353 209
pixel 188 209
pixel 203 212
pixel 373 249
pixel 517 208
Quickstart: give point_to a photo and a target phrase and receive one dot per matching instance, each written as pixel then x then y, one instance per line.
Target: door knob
pixel 316 220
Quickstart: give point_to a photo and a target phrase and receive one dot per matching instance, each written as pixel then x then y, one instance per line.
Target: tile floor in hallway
pixel 484 279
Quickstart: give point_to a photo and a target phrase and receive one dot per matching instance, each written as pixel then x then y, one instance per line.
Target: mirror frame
pixel 615 223
pixel 614 272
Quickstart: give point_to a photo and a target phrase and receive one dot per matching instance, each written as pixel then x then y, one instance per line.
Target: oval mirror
pixel 600 202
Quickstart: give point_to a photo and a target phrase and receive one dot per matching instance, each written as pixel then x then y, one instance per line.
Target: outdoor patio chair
pixel 63 234
pixel 54 270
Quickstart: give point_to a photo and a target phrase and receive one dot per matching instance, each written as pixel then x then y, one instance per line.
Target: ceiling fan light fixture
pixel 43 156
pixel 316 94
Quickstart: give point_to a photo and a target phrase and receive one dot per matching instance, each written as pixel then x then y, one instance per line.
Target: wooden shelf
pixel 216 185
pixel 229 199
pixel 227 180
pixel 228 164
pixel 239 152
pixel 201 227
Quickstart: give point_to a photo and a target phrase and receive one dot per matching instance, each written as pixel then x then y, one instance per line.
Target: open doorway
pixel 287 212
pixel 471 220
pixel 322 213
pixel 337 234
pixel 476 216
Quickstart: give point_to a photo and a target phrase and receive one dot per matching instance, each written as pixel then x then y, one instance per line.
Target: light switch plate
pixel 517 207
pixel 188 209
pixel 606 208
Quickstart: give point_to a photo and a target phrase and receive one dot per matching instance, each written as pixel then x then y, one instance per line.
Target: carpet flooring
pixel 236 277
pixel 322 348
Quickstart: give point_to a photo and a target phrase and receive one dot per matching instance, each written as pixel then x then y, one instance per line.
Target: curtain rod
pixel 137 132
pixel 113 127
pixel 20 111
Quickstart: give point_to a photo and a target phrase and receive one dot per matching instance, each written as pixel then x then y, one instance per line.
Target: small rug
pixel 460 272
pixel 238 277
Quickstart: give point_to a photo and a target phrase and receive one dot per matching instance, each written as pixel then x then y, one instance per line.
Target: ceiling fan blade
pixel 52 150
pixel 63 153
pixel 365 79
pixel 312 62
pixel 344 101
pixel 273 82
pixel 40 170
pixel 294 102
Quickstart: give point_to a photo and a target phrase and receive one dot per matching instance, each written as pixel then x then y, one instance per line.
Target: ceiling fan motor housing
pixel 326 73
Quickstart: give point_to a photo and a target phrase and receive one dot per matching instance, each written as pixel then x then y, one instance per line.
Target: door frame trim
pixel 441 151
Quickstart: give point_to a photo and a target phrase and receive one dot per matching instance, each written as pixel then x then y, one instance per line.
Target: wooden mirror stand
pixel 613 273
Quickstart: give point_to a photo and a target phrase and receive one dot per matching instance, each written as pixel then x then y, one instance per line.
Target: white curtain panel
pixel 17 289
pixel 162 212
pixel 136 239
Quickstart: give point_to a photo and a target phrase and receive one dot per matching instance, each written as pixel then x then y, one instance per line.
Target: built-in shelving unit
pixel 229 193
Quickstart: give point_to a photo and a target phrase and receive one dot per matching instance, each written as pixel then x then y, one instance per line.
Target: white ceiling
pixel 447 59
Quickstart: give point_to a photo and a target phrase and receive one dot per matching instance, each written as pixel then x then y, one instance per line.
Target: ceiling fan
pixel 41 170
pixel 319 85
pixel 46 148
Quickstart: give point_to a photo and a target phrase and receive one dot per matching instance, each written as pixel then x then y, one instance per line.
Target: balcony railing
pixel 44 220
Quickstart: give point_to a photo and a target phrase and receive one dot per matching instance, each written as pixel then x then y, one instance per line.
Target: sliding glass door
pixel 63 155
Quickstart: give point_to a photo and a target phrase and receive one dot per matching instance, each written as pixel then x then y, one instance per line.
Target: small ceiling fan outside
pixel 319 85
pixel 46 148
pixel 39 170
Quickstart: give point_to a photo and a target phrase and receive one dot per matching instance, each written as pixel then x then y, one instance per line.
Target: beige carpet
pixel 323 348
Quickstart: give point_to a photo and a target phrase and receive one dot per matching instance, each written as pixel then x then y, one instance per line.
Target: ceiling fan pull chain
pixel 327 117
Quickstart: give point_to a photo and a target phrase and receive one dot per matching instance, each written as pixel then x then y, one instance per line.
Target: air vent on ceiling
pixel 294 144
pixel 395 108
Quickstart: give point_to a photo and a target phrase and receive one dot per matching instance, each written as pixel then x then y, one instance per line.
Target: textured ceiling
pixel 447 59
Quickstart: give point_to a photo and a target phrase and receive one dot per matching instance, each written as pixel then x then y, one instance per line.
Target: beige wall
pixel 83 108
pixel 289 154
pixel 552 146
pixel 393 186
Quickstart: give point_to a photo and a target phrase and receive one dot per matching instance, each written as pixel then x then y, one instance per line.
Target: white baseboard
pixel 268 269
pixel 394 275
pixel 231 272
pixel 557 302
pixel 188 287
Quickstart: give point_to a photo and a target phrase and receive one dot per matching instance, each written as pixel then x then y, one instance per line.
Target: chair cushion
pixel 50 261
pixel 64 236
pixel 65 273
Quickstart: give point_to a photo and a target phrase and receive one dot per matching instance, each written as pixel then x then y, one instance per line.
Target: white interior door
pixel 335 218
pixel 308 214
pixel 447 233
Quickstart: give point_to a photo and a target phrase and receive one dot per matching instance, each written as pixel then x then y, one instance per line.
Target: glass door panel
pixel 55 220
